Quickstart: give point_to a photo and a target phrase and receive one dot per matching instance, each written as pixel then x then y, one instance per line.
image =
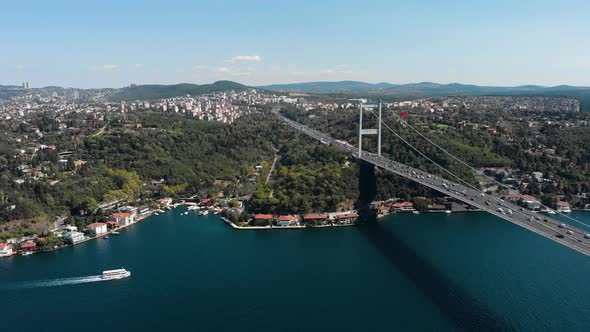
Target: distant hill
pixel 418 89
pixel 429 89
pixel 153 91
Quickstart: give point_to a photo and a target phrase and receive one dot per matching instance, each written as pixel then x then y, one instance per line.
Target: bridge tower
pixel 367 131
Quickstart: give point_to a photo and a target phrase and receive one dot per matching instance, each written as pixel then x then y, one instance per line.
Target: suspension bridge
pixel 551 228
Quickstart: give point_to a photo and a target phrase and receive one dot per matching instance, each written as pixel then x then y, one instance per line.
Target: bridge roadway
pixel 548 227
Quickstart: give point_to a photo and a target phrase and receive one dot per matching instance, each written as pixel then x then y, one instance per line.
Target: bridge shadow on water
pixel 467 313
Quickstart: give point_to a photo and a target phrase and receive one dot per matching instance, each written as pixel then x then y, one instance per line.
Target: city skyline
pixel 110 44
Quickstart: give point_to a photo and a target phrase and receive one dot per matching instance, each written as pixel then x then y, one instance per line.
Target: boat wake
pixel 56 282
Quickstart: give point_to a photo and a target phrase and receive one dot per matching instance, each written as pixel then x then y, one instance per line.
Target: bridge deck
pixel 533 221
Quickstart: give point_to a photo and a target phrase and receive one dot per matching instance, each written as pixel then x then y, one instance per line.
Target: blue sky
pixel 107 43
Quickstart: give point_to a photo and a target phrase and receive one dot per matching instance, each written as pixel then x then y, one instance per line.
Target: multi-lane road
pixel 548 227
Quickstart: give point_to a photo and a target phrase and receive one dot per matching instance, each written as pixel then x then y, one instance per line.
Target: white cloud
pixel 223 70
pixel 138 65
pixel 200 67
pixel 20 67
pixel 109 67
pixel 246 58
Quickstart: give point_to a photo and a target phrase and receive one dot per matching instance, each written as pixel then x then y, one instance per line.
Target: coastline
pixel 267 228
pixel 236 227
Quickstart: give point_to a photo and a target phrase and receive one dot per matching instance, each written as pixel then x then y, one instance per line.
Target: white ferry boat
pixel 115 274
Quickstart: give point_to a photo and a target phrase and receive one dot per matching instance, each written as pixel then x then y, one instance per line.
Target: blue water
pixel 428 272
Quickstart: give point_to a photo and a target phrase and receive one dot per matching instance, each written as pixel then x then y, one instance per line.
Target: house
pixel 403 207
pixel 70 228
pixel 563 207
pixel 123 218
pixel 28 246
pixel 5 250
pixel 143 211
pixel 74 237
pixel 314 218
pixel 112 224
pixel 97 228
pixel 262 219
pixel 527 201
pixel 287 220
pixel 383 210
pixel 346 218
pixel 164 201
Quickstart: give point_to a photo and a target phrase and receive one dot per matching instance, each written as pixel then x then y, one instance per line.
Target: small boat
pixel 551 212
pixel 448 211
pixel 26 253
pixel 156 214
pixel 415 212
pixel 106 237
pixel 115 233
pixel 115 274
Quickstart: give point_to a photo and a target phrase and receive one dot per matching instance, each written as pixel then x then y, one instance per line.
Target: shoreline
pixel 268 228
pixel 234 226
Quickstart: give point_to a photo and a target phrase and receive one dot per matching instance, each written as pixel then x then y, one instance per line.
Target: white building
pixel 5 250
pixel 97 228
pixel 564 207
pixel 123 218
pixel 74 237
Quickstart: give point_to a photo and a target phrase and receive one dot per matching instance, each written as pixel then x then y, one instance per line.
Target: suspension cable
pixel 465 182
pixel 469 166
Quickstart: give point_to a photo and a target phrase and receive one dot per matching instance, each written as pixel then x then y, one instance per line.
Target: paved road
pixel 550 228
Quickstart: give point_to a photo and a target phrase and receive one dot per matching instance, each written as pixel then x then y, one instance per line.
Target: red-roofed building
pixel 123 218
pixel 112 224
pixel 164 201
pixel 287 220
pixel 262 219
pixel 28 246
pixel 97 228
pixel 564 207
pixel 346 218
pixel 403 206
pixel 315 218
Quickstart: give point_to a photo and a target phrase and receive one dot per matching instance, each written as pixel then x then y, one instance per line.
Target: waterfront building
pixel 143 211
pixel 123 218
pixel 346 218
pixel 262 219
pixel 287 220
pixel 164 201
pixel 74 237
pixel 563 207
pixel 403 207
pixel 97 228
pixel 5 250
pixel 315 218
pixel 28 246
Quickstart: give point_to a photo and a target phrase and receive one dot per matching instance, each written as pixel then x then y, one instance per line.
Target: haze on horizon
pixel 114 43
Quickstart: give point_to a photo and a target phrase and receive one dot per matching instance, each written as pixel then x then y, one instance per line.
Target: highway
pixel 548 227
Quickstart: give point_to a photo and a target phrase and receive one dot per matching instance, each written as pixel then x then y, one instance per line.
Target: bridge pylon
pixel 369 131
